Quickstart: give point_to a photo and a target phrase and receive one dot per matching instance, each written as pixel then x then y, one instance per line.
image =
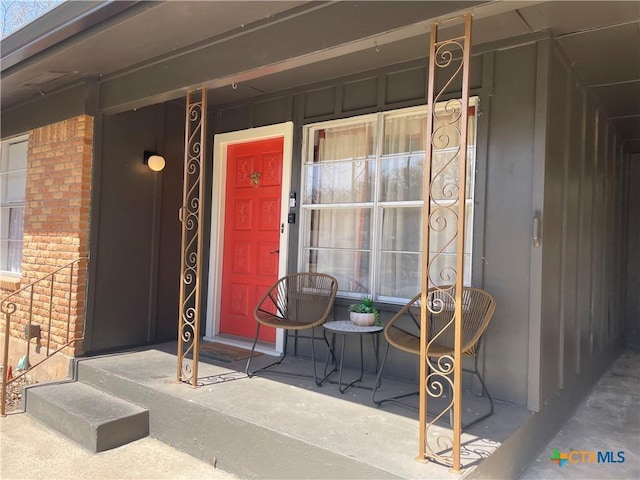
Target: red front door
pixel 251 233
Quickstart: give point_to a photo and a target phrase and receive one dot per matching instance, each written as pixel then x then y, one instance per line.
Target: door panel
pixel 251 233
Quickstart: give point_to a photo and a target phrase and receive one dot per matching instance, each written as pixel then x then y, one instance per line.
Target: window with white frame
pixel 13 179
pixel 362 198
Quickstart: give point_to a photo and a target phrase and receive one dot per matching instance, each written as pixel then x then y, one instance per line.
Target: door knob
pixel 255 177
pixel 275 251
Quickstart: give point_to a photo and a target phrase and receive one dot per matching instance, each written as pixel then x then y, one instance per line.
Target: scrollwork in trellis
pixel 439 381
pixel 191 218
pixel 444 214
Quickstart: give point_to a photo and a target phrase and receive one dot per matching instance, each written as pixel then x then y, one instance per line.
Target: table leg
pixel 376 348
pixel 357 380
pixel 330 355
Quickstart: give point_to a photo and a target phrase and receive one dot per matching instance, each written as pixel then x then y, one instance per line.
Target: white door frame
pixel 220 145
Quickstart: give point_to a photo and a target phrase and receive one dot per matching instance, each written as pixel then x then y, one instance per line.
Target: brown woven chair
pixel 478 307
pixel 299 301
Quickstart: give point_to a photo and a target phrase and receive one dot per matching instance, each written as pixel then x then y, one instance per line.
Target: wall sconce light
pixel 154 161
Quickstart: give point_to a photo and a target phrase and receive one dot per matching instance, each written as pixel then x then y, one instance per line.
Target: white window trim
pixel 376 205
pixel 5 154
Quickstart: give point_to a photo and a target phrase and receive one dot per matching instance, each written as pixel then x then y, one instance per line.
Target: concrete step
pixel 184 418
pixel 94 419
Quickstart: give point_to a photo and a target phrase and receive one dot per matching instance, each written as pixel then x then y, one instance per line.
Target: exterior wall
pixel 580 322
pixel 50 109
pixel 508 213
pixel 56 231
pixel 136 237
pixel 632 264
pixel 170 234
pixel 543 146
pixel 505 81
pixel 134 281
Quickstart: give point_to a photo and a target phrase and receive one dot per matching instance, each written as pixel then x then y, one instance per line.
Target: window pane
pixel 4 254
pixel 339 182
pixel 14 258
pixel 16 184
pixel 402 229
pixel 4 186
pixel 351 268
pixel 17 155
pixel 346 142
pixel 11 243
pixel 348 228
pixel 401 178
pixel 405 133
pixel 402 244
pixel 399 274
pixel 16 218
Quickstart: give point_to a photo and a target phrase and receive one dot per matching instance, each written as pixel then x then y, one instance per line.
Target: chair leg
pixel 253 347
pixel 313 358
pixel 330 355
pixel 394 399
pixel 319 382
pixel 278 362
pixel 376 386
pixel 485 392
pixel 284 355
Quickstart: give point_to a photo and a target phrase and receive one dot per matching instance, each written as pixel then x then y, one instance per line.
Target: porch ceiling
pixel 249 44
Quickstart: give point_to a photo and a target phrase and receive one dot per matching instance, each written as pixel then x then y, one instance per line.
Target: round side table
pixel 345 328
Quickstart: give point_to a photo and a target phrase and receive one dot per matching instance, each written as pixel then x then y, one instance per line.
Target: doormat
pixel 224 353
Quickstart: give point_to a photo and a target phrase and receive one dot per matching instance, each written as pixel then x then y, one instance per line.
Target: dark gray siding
pixel 135 234
pixel 502 210
pixel 389 88
pixel 54 107
pixel 537 149
pixel 554 176
pixel 170 227
pixel 580 325
pixel 508 213
pixel 632 265
pixel 542 146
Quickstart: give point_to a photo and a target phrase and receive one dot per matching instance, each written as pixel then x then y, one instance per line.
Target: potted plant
pixel 364 314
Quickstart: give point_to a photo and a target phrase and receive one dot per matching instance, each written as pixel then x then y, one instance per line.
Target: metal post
pixel 424 327
pixel 446 373
pixel 191 217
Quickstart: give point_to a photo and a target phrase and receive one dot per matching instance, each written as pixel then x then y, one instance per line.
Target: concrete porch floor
pixel 273 426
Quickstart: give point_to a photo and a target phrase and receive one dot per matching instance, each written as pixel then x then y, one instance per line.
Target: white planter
pixel 363 319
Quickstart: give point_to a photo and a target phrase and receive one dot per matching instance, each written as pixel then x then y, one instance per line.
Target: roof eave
pixel 56 26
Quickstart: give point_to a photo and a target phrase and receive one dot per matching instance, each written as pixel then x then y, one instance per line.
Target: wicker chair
pixel 299 301
pixel 478 307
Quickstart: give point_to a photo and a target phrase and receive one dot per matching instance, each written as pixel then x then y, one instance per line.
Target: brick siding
pixel 56 230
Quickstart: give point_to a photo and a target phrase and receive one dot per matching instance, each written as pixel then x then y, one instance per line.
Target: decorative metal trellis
pixel 191 217
pixel 444 192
